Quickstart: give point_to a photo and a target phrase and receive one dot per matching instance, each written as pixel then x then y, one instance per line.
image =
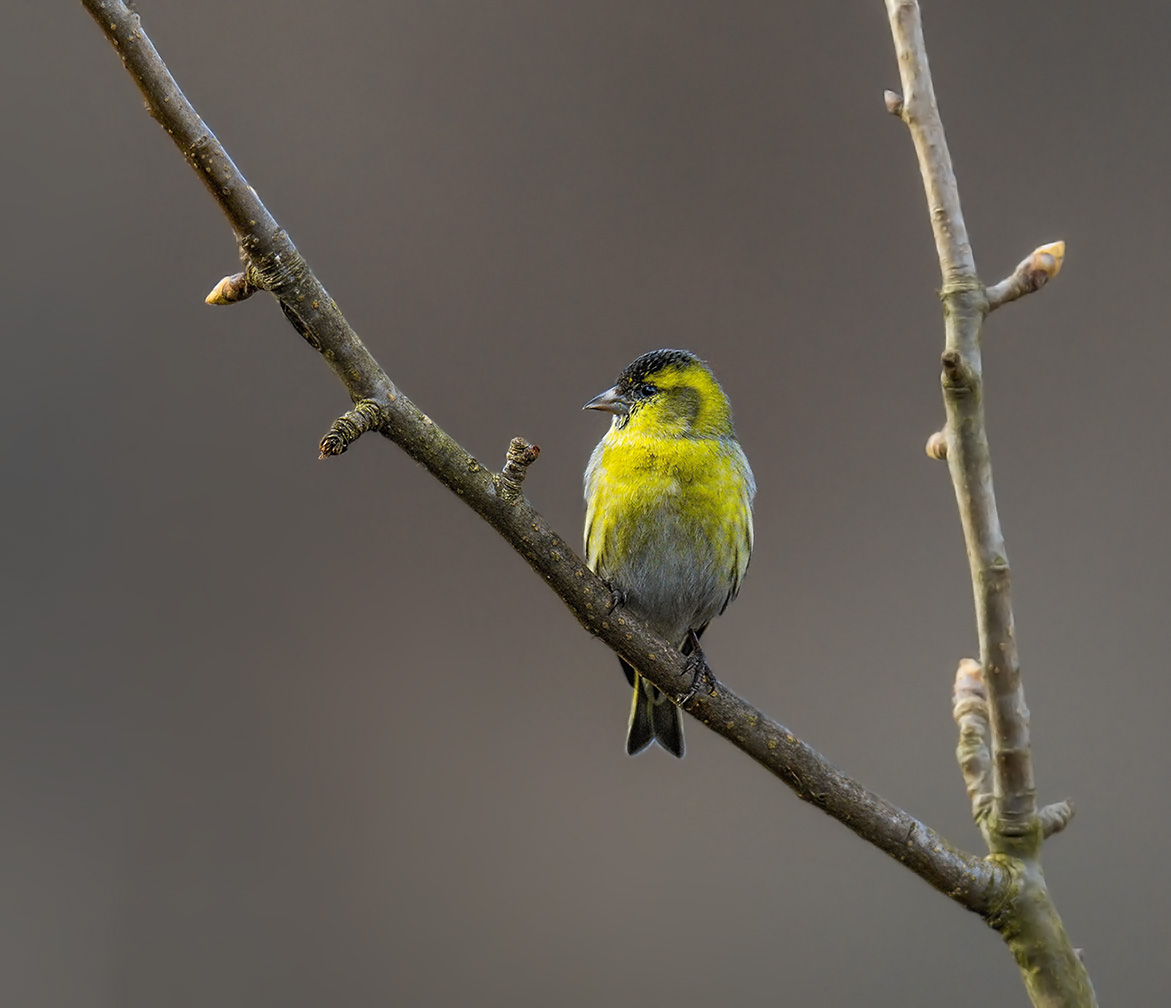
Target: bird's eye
pixel 647 389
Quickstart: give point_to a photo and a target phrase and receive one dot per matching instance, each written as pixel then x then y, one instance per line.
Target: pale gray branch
pixel 918 111
pixel 994 721
pixel 1014 795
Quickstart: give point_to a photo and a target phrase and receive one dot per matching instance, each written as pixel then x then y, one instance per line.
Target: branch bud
pixel 231 289
pixel 520 456
pixel 346 429
pixel 1031 274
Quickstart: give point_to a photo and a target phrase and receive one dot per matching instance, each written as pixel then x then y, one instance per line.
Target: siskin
pixel 668 514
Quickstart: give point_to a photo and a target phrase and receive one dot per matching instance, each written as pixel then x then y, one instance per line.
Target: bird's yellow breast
pixel 647 466
pixel 647 493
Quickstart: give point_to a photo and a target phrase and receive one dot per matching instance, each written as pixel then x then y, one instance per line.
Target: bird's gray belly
pixel 673 574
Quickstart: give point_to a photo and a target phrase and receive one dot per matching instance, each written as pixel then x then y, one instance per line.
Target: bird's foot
pixel 697 667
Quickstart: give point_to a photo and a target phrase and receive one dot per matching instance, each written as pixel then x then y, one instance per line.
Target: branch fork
pixel 1006 888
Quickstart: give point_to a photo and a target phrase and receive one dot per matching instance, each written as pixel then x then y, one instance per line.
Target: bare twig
pixel 273 264
pixel 1028 920
pixel 366 415
pixel 520 456
pixel 965 306
pixel 1031 274
pixel 918 110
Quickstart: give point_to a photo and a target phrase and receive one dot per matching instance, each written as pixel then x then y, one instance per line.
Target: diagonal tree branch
pixel 272 263
pixel 1029 922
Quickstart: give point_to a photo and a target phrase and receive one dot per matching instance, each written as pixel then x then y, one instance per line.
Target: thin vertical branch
pixel 1028 921
pixel 919 111
pixel 1014 806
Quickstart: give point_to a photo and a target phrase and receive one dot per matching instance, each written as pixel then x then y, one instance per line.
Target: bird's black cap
pixel 651 363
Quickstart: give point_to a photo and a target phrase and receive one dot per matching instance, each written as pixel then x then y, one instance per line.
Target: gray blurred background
pixel 278 731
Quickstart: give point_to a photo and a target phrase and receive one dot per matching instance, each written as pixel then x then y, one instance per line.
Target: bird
pixel 668 521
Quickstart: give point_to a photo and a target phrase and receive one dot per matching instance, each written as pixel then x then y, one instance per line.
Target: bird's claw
pixel 697 667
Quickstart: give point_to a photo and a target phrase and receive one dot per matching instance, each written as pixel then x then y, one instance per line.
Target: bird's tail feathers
pixel 653 718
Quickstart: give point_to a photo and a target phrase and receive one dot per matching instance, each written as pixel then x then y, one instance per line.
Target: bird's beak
pixel 610 401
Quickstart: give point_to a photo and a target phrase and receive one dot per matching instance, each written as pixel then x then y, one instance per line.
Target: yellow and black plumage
pixel 668 513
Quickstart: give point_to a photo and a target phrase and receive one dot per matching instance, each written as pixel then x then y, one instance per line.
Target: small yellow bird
pixel 668 514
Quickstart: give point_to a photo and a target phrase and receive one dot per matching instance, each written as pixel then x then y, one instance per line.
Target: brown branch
pixel 1028 920
pixel 273 263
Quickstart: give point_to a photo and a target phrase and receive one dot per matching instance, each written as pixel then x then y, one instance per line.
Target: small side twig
pixel 365 416
pixel 1031 274
pixel 520 456
pixel 1055 817
pixel 970 710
